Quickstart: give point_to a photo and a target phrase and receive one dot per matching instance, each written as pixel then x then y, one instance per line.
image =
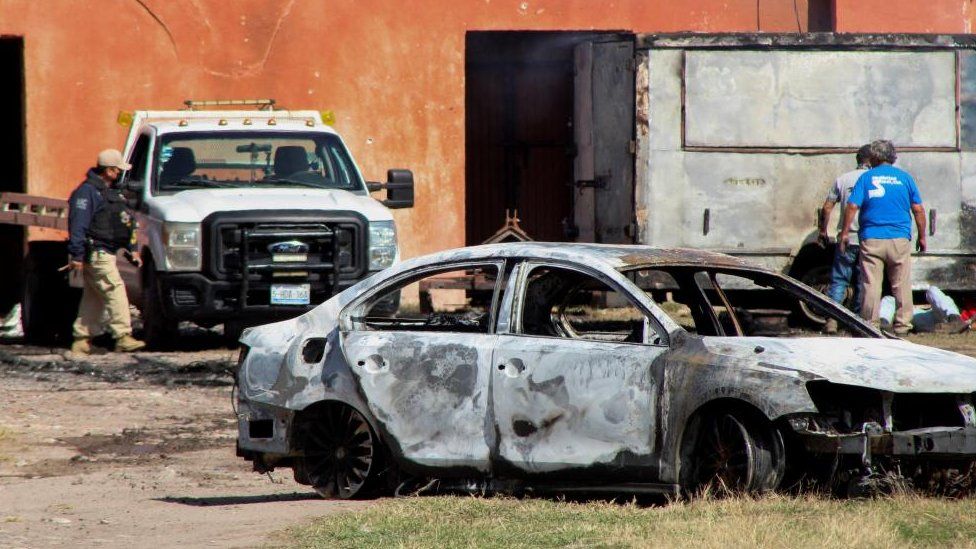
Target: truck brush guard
pixel 298 241
pixel 326 252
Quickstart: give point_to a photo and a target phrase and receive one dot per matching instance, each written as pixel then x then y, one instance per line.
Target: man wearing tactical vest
pixel 100 224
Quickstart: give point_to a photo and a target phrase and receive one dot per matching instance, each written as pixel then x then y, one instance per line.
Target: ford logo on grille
pixel 289 247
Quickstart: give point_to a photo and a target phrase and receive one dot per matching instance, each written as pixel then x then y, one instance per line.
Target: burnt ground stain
pixel 145 367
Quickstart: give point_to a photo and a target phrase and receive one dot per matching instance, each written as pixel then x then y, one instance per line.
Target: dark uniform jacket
pixel 98 219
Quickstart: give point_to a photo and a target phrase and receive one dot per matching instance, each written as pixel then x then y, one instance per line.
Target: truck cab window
pixel 138 158
pixel 254 159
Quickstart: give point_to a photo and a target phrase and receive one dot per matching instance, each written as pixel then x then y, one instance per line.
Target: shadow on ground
pixel 239 500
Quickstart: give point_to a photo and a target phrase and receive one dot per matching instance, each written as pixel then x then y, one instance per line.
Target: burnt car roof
pixel 618 256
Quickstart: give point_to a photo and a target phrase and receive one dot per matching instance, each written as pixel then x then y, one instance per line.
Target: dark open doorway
pixel 12 161
pixel 520 146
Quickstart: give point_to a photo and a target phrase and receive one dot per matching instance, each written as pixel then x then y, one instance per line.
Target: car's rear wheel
pixel 342 456
pixel 733 453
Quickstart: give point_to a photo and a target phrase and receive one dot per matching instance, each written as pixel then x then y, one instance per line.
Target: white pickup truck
pixel 248 216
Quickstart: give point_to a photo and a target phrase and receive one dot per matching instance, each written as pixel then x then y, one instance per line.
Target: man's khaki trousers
pixel 103 298
pixel 891 256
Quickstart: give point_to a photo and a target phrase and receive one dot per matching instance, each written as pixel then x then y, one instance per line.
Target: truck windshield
pixel 254 159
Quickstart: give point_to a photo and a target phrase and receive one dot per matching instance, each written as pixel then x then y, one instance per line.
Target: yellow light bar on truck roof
pixel 261 104
pixel 328 117
pixel 125 118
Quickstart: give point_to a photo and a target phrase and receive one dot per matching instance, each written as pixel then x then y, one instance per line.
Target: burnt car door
pixel 576 376
pixel 421 346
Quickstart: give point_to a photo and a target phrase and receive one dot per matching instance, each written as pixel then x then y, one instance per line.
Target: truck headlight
pixel 182 241
pixel 382 245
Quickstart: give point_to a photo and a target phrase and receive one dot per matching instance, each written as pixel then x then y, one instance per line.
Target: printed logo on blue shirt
pixel 885 196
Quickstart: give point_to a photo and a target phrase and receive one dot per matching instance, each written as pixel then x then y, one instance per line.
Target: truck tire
pixel 159 332
pixel 48 305
pixel 817 278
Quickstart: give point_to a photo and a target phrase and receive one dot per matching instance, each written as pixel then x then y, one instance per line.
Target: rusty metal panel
pixel 967 100
pixel 761 202
pixel 819 99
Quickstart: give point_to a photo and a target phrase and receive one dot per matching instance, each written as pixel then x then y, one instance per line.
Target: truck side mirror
pixel 399 188
pixel 132 191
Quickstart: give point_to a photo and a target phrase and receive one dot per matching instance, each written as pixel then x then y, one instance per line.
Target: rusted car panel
pixel 501 403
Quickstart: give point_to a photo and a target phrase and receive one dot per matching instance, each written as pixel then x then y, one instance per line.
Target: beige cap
pixel 111 158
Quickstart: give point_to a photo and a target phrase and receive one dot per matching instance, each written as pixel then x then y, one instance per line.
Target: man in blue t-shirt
pixel 887 198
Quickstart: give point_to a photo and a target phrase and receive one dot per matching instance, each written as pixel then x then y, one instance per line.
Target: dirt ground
pixel 137 450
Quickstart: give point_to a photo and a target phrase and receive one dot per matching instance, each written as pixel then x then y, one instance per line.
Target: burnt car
pixel 594 368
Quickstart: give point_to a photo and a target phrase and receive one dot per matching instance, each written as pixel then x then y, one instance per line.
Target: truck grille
pixel 316 247
pixel 255 249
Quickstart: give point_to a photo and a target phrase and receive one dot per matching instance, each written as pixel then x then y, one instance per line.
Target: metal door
pixel 604 133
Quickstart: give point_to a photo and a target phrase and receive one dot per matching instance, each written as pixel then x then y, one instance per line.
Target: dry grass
pixel 773 521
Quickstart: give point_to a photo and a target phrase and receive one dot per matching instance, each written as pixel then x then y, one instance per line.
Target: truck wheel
pixel 48 305
pixel 159 332
pixel 817 278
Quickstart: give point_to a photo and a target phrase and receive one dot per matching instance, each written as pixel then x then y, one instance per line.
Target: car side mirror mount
pixel 398 186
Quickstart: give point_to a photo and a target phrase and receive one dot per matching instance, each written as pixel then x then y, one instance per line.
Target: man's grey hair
pixel 882 151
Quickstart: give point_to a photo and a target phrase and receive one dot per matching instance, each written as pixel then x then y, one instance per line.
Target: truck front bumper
pixel 194 297
pixel 932 442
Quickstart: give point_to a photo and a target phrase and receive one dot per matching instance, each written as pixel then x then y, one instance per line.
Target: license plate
pixel 290 294
pixel 289 258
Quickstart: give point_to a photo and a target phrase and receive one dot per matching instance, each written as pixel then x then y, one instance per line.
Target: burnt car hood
pixel 885 364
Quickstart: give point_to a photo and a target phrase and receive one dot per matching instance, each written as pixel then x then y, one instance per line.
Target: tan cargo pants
pixel 894 257
pixel 103 299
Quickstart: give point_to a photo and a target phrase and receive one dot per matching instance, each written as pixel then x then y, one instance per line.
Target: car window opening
pixel 456 300
pixel 728 302
pixel 569 304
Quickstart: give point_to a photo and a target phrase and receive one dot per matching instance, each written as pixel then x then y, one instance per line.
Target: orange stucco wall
pixel 393 71
pixel 908 16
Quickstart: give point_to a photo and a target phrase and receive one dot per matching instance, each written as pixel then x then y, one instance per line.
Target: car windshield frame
pixel 256 170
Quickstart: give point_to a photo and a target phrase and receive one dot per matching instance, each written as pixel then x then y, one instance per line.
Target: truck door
pixel 137 177
pixel 604 133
